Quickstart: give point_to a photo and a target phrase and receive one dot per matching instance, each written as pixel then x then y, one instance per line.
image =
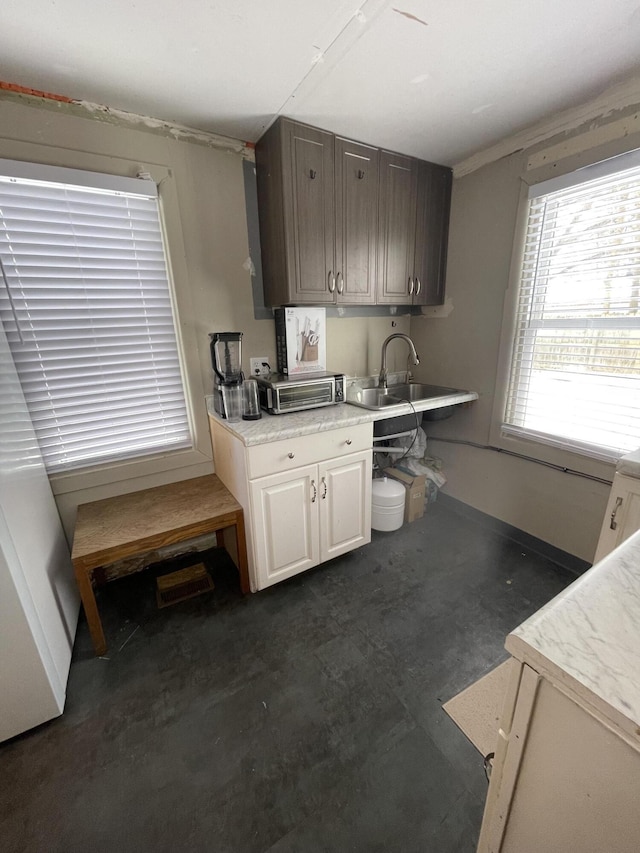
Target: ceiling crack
pixel 411 17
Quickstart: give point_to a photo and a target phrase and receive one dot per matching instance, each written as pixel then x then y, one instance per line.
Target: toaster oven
pixel 280 394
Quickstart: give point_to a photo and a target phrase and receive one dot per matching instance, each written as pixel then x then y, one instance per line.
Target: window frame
pixel 105 473
pixel 566 164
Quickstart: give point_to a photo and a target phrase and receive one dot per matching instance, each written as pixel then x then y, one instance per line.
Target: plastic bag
pixel 417 461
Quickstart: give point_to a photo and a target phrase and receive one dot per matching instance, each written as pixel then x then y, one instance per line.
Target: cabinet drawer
pixel 285 455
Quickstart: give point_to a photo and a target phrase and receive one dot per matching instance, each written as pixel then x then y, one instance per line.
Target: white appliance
pixel 39 600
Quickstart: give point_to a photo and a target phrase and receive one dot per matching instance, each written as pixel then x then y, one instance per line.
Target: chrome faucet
pixel 382 379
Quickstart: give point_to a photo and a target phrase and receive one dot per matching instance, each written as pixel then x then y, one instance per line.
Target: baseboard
pixel 567 561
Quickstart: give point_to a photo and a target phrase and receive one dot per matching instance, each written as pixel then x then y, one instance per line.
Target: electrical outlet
pixel 259 366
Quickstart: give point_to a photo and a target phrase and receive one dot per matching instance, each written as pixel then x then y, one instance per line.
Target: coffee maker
pixel 226 359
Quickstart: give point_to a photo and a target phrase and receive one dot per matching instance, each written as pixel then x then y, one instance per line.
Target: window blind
pixel 575 370
pixel 86 307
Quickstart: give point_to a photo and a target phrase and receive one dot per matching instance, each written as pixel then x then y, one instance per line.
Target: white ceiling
pixel 439 79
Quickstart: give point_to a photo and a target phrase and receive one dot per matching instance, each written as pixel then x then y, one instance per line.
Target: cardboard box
pixel 301 340
pixel 414 484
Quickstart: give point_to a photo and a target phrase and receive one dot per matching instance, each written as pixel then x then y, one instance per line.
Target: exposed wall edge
pixel 625 95
pixel 567 561
pixel 618 129
pixel 122 118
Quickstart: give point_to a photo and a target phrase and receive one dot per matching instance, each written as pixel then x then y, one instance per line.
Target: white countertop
pixel 276 427
pixel 588 637
pixel 629 465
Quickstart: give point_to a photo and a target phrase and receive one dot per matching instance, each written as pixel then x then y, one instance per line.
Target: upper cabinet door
pixel 356 198
pixel 308 181
pixel 397 228
pixel 432 231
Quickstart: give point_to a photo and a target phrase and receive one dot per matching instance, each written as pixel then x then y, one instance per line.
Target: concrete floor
pixel 304 718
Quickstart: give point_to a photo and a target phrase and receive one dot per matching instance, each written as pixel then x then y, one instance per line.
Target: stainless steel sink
pixel 396 395
pixel 374 398
pixel 416 391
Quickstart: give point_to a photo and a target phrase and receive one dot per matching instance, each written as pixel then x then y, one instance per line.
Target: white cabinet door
pixel 285 524
pixel 623 512
pixel 345 504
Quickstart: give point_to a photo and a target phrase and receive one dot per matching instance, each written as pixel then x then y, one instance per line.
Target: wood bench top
pixel 127 525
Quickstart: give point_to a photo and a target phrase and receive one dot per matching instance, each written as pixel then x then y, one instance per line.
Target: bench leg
pixel 91 610
pixel 234 540
pixel 241 542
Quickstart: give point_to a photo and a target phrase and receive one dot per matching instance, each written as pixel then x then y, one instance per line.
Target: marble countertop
pixel 629 465
pixel 588 637
pixel 276 427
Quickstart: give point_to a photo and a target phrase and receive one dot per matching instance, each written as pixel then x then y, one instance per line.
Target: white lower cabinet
pixel 565 778
pixel 305 500
pixel 622 515
pixel 306 516
pixel 285 524
pixel 344 504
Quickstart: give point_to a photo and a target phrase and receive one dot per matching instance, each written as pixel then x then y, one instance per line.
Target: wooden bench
pixel 131 525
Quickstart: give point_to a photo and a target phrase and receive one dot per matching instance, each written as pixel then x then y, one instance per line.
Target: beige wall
pixel 463 350
pixel 208 244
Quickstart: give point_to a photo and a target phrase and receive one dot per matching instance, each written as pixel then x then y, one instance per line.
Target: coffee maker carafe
pixel 226 359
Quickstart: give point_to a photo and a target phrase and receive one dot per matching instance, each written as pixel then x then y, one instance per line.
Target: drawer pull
pixel 613 524
pixel 348 441
pixel 315 491
pixel 291 455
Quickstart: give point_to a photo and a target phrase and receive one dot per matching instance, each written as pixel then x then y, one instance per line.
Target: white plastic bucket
pixel 387 504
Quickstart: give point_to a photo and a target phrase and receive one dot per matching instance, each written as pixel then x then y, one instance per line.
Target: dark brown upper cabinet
pixel 414 204
pixel 317 203
pixel 295 205
pixel 397 228
pixel 356 199
pixel 342 222
pixel 432 233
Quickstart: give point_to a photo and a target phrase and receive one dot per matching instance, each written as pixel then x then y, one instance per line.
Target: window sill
pixel 550 453
pixel 563 445
pixel 117 472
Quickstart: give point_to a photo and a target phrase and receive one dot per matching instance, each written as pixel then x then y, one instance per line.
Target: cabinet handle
pixel 291 455
pixel 410 286
pixel 348 441
pixel 312 174
pixel 360 174
pixel 418 286
pixel 324 494
pixel 340 281
pixel 613 523
pixel 332 282
pixel 315 491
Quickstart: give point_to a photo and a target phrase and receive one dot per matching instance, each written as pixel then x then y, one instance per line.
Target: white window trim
pixel 199 457
pixel 587 462
pixel 602 169
pixel 78 178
